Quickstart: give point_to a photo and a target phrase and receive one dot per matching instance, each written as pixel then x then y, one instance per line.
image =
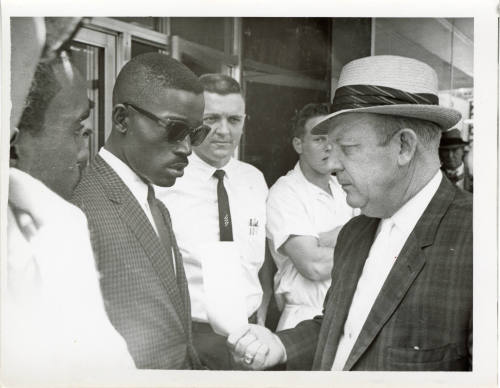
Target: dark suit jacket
pixel 422 317
pixel 145 302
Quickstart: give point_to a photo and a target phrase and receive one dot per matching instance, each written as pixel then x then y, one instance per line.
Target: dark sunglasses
pixel 177 129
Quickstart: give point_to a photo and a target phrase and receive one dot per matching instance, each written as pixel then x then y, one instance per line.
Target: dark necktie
pixel 225 226
pixel 453 176
pixel 161 226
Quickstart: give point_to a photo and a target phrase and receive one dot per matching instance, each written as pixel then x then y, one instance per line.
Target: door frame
pixel 108 43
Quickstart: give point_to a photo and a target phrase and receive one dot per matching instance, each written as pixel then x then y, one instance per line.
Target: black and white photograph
pixel 238 197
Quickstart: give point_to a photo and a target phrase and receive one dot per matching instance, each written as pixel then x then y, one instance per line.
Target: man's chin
pixel 222 154
pixel 165 182
pixel 354 201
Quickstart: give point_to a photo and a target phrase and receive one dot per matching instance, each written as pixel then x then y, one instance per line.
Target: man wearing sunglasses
pixel 218 214
pixel 157 117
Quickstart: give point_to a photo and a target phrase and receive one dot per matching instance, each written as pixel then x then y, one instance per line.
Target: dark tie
pixel 161 226
pixel 453 176
pixel 225 226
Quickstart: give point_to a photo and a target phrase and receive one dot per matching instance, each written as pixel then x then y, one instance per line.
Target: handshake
pixel 255 347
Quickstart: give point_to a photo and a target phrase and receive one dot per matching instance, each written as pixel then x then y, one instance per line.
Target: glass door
pixel 93 53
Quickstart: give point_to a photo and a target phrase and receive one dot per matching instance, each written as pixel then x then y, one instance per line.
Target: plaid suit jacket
pixel 146 303
pixel 422 318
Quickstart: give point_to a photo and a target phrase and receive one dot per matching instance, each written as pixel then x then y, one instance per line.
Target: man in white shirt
pixel 54 324
pixel 305 211
pixel 218 212
pixel 401 293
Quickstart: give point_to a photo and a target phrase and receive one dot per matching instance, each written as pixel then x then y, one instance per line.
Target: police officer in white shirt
pixel 220 200
pixel 306 209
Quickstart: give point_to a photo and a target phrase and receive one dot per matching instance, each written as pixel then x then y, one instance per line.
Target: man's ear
pixel 297 145
pixel 120 118
pixel 407 142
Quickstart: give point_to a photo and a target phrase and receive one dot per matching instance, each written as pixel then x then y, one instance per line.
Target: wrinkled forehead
pixel 232 103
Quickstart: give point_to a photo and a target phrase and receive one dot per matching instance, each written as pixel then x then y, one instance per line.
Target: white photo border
pixel 486 213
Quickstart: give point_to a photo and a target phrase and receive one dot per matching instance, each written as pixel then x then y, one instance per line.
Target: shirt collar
pixel 206 170
pixel 135 184
pixel 332 182
pixel 408 215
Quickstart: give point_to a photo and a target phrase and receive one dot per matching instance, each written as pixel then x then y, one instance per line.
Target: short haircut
pixel 43 89
pixel 428 132
pixel 220 84
pixel 308 111
pixel 148 75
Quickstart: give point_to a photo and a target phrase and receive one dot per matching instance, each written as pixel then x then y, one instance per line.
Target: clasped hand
pixel 255 347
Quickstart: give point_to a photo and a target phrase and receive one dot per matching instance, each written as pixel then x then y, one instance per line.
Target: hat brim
pixel 454 145
pixel 446 118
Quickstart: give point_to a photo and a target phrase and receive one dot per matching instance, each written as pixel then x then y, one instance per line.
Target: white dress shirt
pixel 193 206
pixel 135 184
pixel 297 207
pixel 391 237
pixel 58 329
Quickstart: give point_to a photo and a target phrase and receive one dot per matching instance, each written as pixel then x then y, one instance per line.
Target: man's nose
pixel 222 126
pixel 184 146
pixel 334 160
pixel 448 154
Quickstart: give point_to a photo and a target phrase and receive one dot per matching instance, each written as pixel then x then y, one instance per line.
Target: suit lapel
pixel 343 288
pixel 132 214
pixel 408 265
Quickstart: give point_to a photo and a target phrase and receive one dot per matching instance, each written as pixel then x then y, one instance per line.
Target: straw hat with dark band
pixel 389 85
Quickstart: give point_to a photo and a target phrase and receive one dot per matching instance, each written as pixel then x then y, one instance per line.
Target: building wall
pixel 282 64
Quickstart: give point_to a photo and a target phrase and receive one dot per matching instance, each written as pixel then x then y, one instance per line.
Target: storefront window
pixel 197 66
pixel 89 61
pixel 351 39
pixel 215 33
pixel 150 23
pixel 447 45
pixel 139 47
pixel 297 44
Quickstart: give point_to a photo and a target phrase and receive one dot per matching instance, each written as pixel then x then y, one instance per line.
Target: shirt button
pixel 349 335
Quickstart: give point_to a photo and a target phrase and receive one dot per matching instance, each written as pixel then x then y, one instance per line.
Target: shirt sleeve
pixel 286 215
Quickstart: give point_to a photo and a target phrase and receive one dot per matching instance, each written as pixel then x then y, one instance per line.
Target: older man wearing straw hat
pixel 401 293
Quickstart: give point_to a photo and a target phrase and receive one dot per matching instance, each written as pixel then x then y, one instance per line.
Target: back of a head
pixel 44 87
pixel 148 75
pixel 220 84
